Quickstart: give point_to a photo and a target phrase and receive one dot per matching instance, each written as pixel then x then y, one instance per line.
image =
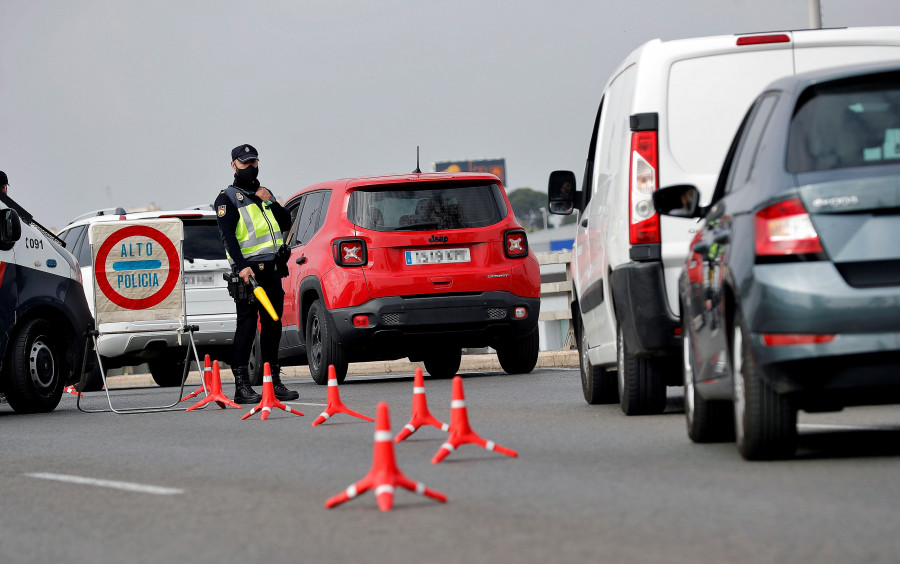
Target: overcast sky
pixel 121 103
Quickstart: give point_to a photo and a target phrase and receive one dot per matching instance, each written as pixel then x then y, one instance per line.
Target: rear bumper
pixel 639 297
pixel 402 326
pixel 151 339
pixel 861 365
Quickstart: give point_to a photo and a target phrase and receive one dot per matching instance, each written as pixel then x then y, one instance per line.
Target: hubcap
pixel 688 377
pixel 620 363
pixel 316 338
pixel 740 399
pixel 41 365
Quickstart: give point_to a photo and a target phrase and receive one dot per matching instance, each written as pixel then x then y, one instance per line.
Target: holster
pixel 282 255
pixel 239 291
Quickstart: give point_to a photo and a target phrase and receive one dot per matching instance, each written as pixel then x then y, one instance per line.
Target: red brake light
pixel 785 229
pixel 643 180
pixel 786 339
pixel 349 252
pixel 515 244
pixel 763 39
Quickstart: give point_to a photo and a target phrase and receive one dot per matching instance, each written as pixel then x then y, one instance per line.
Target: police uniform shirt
pixel 228 217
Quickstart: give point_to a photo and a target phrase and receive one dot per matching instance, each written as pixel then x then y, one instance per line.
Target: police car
pixel 44 316
pixel 206 298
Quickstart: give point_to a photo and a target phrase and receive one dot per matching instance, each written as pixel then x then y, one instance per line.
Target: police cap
pixel 3 179
pixel 244 153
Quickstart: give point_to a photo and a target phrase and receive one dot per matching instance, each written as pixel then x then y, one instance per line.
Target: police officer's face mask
pixel 246 174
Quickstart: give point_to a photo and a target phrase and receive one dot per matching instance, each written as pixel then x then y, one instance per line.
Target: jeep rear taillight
pixel 349 252
pixel 642 182
pixel 785 229
pixel 515 244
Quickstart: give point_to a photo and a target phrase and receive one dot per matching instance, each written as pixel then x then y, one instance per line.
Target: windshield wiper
pixel 414 226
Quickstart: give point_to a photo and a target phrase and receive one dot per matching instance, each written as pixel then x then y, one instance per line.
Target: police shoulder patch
pixel 221 211
pixel 239 196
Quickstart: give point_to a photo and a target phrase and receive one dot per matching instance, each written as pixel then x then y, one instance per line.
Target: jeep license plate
pixel 199 280
pixel 437 256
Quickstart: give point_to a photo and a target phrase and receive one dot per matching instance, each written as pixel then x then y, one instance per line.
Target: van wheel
pixel 167 371
pixel 34 382
pixel 708 421
pixel 322 350
pixel 520 357
pixel 598 384
pixel 765 422
pixel 642 389
pixel 443 363
pixel 255 367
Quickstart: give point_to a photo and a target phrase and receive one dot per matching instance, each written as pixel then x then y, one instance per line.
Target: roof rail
pixel 104 211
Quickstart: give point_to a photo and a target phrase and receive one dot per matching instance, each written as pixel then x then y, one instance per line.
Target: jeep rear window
pixel 846 124
pixel 438 206
pixel 202 241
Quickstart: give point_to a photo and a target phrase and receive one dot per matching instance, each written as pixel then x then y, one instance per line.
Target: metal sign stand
pixel 189 329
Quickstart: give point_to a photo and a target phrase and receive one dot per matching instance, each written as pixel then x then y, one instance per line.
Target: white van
pixel 44 317
pixel 666 117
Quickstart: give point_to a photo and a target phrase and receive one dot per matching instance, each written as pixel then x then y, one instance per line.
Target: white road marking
pixel 127 486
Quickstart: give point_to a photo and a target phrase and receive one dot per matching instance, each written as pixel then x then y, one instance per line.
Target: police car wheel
pixel 322 350
pixel 167 371
pixel 34 382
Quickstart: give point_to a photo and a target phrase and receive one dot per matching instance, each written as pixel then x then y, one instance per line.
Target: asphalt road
pixel 589 485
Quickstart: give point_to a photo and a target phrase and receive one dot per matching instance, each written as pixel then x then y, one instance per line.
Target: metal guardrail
pixel 555 288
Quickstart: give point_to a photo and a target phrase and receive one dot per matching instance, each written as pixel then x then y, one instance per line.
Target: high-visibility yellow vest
pixel 258 233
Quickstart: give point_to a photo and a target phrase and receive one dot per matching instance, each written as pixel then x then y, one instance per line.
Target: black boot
pixel 243 393
pixel 281 392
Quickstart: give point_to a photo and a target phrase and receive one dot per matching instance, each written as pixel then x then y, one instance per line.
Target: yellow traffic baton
pixel 263 298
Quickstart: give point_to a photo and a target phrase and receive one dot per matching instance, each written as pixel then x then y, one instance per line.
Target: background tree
pixel 526 204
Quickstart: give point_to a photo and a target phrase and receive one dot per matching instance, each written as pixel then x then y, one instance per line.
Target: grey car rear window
pixel 844 125
pixel 426 207
pixel 202 241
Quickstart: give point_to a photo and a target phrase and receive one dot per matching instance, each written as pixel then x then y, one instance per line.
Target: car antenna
pixel 418 170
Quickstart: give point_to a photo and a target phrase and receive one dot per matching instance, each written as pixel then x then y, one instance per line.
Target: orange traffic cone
pixel 460 432
pixel 268 398
pixel 334 404
pixel 71 390
pixel 206 385
pixel 215 393
pixel 384 475
pixel 420 414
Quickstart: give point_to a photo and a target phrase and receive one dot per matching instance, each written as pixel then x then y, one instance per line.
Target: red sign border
pixel 137 231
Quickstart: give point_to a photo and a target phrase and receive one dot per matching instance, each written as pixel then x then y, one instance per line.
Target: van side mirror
pixel 682 200
pixel 10 228
pixel 561 192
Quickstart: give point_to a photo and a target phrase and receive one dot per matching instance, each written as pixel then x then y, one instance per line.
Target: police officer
pixel 251 225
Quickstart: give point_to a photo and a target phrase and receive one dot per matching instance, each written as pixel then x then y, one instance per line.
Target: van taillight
pixel 515 244
pixel 349 252
pixel 642 182
pixel 785 229
pixel 763 39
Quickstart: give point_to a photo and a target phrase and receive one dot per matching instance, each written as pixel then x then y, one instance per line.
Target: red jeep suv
pixel 416 265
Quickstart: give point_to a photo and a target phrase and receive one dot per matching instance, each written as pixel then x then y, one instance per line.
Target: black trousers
pixel 248 313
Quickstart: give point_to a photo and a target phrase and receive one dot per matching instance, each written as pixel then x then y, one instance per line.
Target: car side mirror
pixel 10 228
pixel 682 200
pixel 561 193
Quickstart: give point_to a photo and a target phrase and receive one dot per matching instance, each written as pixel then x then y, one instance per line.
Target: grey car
pixel 790 297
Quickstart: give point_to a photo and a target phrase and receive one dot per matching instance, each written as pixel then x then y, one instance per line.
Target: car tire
pixel 34 381
pixel 520 356
pixel 708 421
pixel 599 385
pixel 443 363
pixel 167 371
pixel 321 348
pixel 765 421
pixel 642 388
pixel 255 367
